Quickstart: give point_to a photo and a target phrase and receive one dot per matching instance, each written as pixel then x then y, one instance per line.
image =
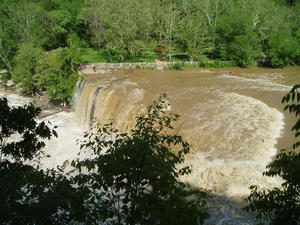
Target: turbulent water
pixel 232 118
pixel 60 149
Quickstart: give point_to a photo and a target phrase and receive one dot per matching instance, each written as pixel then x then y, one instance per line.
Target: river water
pixel 232 118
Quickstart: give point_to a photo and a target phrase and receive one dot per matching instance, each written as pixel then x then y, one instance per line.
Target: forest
pixel 246 32
pixel 42 43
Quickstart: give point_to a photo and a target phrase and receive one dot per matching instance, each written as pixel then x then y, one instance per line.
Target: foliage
pixel 29 195
pixel 283 49
pixel 61 21
pixel 134 176
pixel 33 196
pixel 178 66
pixel 281 205
pixel 217 64
pixel 55 71
pixel 21 121
pixel 61 74
pixel 243 31
pixel 26 62
pixel 7 50
pixel 236 34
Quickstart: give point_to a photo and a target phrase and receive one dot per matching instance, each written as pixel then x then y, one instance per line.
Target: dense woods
pixel 245 33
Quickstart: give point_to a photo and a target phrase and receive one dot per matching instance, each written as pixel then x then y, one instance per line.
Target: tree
pixel 60 21
pixel 282 205
pixel 6 52
pixel 26 62
pixel 283 49
pixel 61 73
pixel 21 121
pixel 29 195
pixel 134 177
pixel 237 39
pixel 212 10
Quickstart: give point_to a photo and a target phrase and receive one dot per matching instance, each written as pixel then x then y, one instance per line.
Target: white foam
pixel 59 149
pixel 262 84
pixel 238 141
pixel 15 100
pixel 63 148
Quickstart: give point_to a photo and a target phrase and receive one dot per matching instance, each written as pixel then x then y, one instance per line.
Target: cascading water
pixel 92 115
pixel 232 120
pixel 57 150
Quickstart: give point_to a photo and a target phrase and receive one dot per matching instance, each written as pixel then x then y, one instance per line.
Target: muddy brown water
pixel 232 117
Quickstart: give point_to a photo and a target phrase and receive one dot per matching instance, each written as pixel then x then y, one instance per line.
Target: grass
pixel 89 55
pixel 177 66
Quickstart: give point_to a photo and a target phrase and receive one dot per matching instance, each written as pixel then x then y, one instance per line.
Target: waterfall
pixel 77 92
pixel 232 125
pixel 92 114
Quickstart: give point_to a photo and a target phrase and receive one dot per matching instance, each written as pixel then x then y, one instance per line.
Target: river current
pixel 233 119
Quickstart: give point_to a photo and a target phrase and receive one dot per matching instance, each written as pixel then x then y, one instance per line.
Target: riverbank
pixel 47 106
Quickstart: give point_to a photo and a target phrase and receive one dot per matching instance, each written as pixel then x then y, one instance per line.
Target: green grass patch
pixel 144 58
pixel 191 66
pixel 89 55
pixel 182 66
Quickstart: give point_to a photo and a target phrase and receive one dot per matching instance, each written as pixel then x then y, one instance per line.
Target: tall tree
pixel 26 62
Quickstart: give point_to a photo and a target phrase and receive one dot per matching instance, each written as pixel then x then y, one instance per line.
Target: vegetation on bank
pixel 245 33
pixel 204 64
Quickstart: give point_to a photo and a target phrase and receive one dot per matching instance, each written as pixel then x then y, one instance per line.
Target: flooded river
pixel 233 119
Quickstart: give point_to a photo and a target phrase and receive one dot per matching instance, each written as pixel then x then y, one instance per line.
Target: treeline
pixel 245 32
pixel 39 43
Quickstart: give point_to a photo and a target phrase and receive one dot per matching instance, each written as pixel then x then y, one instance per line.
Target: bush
pixel 58 73
pixel 26 62
pixel 282 50
pixel 178 66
